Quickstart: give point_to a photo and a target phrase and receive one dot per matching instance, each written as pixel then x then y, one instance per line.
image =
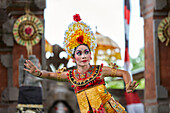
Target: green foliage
pixel 113 83
pixel 139 61
pixel 119 84
pixel 141 84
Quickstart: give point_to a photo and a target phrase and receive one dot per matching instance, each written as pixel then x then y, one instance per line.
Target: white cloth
pixel 135 108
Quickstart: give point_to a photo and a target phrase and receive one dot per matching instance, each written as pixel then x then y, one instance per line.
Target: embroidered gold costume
pixel 91 92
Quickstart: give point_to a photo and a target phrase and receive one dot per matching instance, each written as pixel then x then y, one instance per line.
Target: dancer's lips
pixel 84 61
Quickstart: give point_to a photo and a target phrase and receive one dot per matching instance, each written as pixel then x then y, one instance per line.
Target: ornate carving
pixel 9 95
pixel 164 30
pixel 6 60
pixel 160 4
pixel 8 39
pixel 40 3
pixel 7 32
pixel 5 3
pixel 28 29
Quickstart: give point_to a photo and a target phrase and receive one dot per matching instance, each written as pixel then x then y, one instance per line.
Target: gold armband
pixel 59 75
pixel 59 72
pixel 114 71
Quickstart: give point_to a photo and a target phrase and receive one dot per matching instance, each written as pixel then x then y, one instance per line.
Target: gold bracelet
pixel 39 74
pixel 114 71
pixel 127 85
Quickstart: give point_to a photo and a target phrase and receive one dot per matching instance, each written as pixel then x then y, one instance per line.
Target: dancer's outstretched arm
pixel 31 68
pixel 112 72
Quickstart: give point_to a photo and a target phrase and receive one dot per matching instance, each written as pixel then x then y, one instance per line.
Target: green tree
pixel 139 61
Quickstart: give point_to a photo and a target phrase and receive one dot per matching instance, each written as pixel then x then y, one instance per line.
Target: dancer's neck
pixel 83 69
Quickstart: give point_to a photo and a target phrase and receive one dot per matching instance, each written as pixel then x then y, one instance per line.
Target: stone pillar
pixel 150 89
pixel 156 57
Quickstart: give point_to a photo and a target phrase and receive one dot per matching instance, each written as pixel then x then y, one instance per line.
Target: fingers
pixel 30 63
pixel 128 85
pixel 129 91
pixel 133 84
pixel 26 64
pixel 30 66
pixel 136 85
pixel 27 70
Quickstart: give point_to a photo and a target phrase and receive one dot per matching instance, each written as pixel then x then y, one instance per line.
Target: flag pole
pixel 133 103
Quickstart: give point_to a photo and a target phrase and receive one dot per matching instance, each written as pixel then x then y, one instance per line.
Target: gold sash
pixel 95 96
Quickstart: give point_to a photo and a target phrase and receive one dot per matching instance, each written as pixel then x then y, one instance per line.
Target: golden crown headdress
pixel 78 33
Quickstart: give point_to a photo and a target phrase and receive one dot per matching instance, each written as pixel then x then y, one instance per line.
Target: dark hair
pixel 77 47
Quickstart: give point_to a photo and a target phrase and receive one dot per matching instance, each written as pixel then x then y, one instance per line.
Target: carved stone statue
pixel 26 78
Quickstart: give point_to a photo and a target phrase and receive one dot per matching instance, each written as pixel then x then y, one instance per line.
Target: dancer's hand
pixel 130 87
pixel 31 68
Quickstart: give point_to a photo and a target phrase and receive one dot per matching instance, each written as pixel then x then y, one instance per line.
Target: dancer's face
pixel 82 55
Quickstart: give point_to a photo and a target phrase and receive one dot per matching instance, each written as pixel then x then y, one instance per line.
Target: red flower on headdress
pixel 76 17
pixel 80 39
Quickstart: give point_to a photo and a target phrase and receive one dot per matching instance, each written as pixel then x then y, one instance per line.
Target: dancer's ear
pixel 73 60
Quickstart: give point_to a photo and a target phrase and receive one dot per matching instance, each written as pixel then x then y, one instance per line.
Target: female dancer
pixel 88 80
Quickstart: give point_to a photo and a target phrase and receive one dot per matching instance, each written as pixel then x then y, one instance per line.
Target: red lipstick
pixel 84 61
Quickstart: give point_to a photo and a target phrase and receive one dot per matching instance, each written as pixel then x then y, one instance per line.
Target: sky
pixel 107 15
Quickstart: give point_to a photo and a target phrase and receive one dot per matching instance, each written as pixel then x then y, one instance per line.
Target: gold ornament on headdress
pixel 78 33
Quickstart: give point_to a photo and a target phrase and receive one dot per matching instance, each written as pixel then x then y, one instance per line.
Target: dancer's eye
pixel 86 51
pixel 79 53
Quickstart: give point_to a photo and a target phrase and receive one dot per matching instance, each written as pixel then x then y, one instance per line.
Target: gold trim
pixel 116 106
pixel 30 105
